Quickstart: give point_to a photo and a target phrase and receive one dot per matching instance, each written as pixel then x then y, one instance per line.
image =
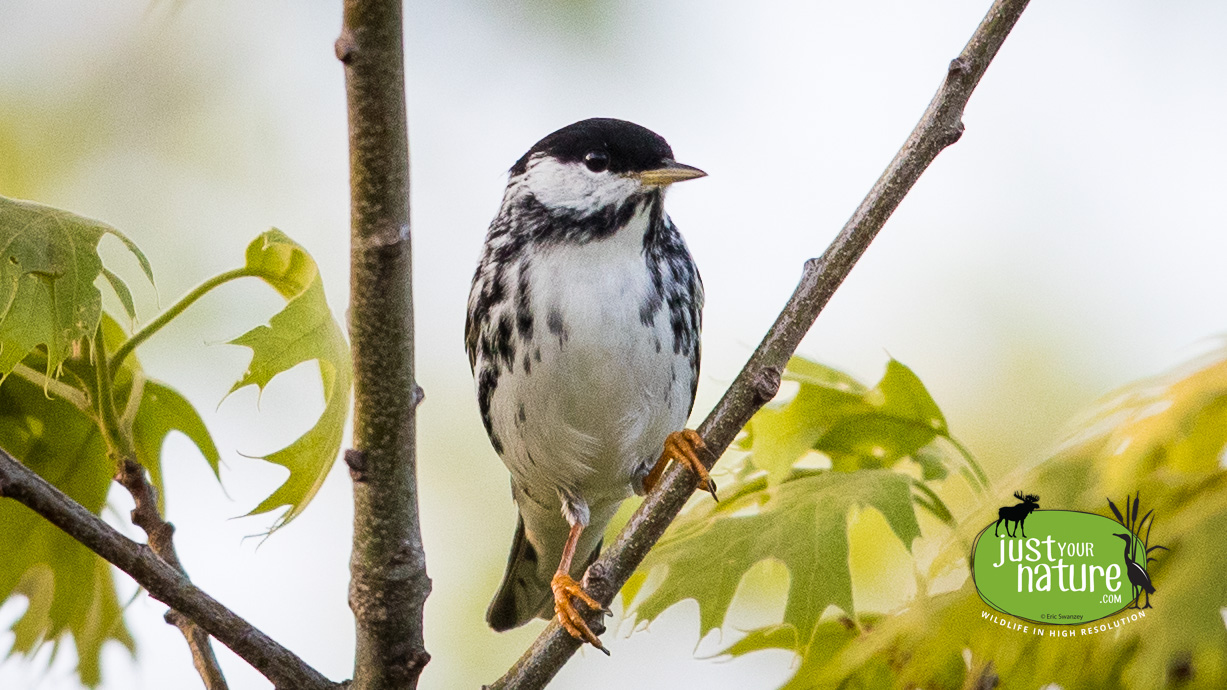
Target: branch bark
pixel 159 578
pixel 160 536
pixel 389 585
pixel 939 127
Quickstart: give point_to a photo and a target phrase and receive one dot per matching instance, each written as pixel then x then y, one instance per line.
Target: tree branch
pixel 117 433
pixel 939 127
pixel 160 536
pixel 389 585
pixel 160 579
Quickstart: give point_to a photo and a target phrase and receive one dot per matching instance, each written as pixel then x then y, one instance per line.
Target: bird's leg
pixel 682 446
pixel 566 588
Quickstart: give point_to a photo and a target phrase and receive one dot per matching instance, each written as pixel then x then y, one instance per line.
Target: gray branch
pixel 759 380
pixel 159 578
pixel 159 535
pixel 389 585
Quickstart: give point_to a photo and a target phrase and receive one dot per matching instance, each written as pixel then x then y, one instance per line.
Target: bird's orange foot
pixel 565 589
pixel 682 446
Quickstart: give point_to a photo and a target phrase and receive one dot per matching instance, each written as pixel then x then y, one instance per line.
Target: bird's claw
pixel 565 589
pixel 683 446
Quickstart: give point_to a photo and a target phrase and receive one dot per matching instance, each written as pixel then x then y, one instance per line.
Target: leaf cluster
pixel 74 402
pixel 807 462
pixel 1164 438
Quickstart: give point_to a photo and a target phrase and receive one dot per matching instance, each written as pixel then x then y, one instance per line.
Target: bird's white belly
pixel 593 395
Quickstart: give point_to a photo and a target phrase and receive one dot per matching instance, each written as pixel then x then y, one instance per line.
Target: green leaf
pixel 874 440
pixel 932 463
pixel 162 411
pixel 301 332
pixel 48 267
pixel 900 420
pixel 122 292
pixel 70 590
pixel 808 372
pixel 801 522
pixel 770 637
pixel 852 425
pixel 904 397
pixel 778 435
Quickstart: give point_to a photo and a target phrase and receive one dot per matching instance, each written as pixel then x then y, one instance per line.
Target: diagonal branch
pixel 160 536
pixel 939 127
pixel 160 579
pixel 388 585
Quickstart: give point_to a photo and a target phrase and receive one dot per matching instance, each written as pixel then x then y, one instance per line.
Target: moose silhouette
pixel 1017 513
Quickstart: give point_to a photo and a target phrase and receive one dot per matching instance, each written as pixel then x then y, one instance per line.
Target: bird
pixel 582 331
pixel 1138 576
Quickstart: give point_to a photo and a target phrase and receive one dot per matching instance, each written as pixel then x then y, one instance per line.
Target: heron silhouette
pixel 1137 574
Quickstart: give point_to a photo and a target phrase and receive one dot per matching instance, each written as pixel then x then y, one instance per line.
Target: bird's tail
pixel 524 594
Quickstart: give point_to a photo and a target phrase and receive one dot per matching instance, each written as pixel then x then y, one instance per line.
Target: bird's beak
pixel 671 172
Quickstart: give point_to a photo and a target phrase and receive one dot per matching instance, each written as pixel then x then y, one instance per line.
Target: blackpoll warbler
pixel 583 335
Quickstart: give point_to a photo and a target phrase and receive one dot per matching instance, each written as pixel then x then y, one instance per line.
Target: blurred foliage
pixel 1163 438
pixel 785 505
pixel 51 420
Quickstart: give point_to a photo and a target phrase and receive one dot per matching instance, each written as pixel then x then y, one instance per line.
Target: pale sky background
pixel 1071 242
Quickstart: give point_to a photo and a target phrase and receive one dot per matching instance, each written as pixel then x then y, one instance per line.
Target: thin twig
pixel 174 310
pixel 160 537
pixel 759 380
pixel 389 585
pixel 160 579
pixel 130 474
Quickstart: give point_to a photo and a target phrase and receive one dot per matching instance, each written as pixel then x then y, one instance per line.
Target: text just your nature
pixel 1069 577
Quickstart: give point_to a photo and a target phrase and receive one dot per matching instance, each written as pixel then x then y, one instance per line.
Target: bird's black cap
pixel 630 148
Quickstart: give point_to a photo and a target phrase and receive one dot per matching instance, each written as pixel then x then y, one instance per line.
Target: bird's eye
pixel 597 161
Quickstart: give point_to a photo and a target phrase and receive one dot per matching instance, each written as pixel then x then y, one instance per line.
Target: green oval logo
pixel 1058 567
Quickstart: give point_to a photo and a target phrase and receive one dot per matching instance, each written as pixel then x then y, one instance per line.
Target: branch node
pixel 345 48
pixel 406 662
pixel 766 384
pixel 959 67
pixel 951 134
pixel 598 582
pixel 417 396
pixel 356 460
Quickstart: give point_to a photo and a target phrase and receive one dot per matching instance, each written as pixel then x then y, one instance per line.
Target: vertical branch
pixel 388 586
